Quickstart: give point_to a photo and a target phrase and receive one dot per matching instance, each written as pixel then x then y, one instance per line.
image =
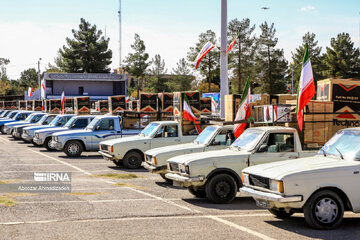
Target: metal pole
pixel 119 33
pixel 292 78
pixel 39 79
pixel 224 83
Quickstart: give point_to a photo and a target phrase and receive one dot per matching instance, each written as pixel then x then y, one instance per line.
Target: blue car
pixel 16 116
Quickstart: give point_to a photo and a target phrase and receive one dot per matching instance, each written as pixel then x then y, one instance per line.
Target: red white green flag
pixel 63 101
pixel 243 112
pixel 233 42
pixel 306 89
pixel 30 92
pixel 189 115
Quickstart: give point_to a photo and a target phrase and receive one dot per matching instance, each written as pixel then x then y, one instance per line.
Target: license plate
pixel 262 203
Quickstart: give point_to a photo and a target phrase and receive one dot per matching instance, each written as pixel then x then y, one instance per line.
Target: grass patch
pixel 129 185
pixel 120 175
pixel 9 181
pixel 20 194
pixel 82 193
pixel 7 201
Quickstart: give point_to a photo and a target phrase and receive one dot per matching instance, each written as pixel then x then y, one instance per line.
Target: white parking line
pixel 241 228
pixel 4 139
pixel 111 182
pixel 95 201
pixel 136 218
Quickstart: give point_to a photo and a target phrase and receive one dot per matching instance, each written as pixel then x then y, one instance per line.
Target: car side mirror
pixel 262 148
pixel 97 128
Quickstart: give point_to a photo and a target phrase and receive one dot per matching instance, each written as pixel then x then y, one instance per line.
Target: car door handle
pixel 293 157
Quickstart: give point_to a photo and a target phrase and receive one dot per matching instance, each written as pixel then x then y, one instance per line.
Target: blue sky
pixel 31 29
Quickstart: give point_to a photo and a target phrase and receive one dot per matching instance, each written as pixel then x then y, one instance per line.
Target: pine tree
pixel 241 56
pixel 87 52
pixel 342 59
pixel 182 79
pixel 28 78
pixel 137 63
pixel 157 82
pixel 271 65
pixel 316 59
pixel 209 67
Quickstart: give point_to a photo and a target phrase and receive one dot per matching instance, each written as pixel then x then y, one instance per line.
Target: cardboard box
pixel 82 105
pixel 148 102
pixel 102 106
pixel 37 105
pixel 55 106
pixel 205 106
pixel 116 104
pixel 69 105
pixel 232 103
pixel 194 101
pixel 165 102
pixel 29 105
pixel 22 105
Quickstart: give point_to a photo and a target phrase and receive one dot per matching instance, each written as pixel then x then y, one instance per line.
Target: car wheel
pixel 221 188
pixel 281 214
pixel 324 210
pixel 47 144
pixel 2 129
pixel 132 160
pixel 118 163
pixel 200 193
pixel 73 149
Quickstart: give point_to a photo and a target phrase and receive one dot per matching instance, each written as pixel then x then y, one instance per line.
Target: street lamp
pixel 39 78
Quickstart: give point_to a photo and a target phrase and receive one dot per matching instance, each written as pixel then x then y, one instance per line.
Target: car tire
pixel 73 149
pixel 132 160
pixel 221 188
pixel 47 144
pixel 2 129
pixel 324 210
pixel 281 214
pixel 200 193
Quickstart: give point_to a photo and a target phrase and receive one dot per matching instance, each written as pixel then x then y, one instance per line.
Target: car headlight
pixel 36 135
pixel 245 178
pixel 277 186
pixel 25 131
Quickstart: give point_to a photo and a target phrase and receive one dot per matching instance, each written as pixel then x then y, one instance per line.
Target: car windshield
pixel 28 119
pixel 344 144
pixel 206 135
pixel 248 139
pixel 43 119
pixel 93 123
pixel 12 115
pixel 68 124
pixel 150 129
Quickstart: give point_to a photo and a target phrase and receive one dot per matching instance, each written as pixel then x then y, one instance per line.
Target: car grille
pixel 174 166
pixel 103 147
pixel 148 158
pixel 259 181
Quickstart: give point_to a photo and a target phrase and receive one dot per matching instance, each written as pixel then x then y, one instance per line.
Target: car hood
pixel 33 128
pixel 26 125
pixel 217 155
pixel 126 140
pixel 281 169
pixel 72 132
pixel 178 147
pixel 16 123
pixel 54 129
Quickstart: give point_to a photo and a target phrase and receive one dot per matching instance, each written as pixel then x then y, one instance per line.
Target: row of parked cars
pixel 267 163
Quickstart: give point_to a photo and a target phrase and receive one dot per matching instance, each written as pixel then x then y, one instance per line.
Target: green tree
pixel 209 67
pixel 182 79
pixel 3 63
pixel 241 56
pixel 271 65
pixel 137 63
pixel 52 69
pixel 342 59
pixel 87 52
pixel 28 78
pixel 157 82
pixel 315 56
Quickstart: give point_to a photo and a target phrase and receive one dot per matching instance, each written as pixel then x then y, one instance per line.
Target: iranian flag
pixel 62 101
pixel 189 115
pixel 205 50
pixel 30 92
pixel 232 43
pixel 306 88
pixel 243 112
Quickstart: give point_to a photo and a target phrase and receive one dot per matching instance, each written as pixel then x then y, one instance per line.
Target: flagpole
pixel 224 85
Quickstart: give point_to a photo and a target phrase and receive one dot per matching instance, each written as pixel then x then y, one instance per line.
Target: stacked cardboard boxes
pixel 116 104
pixel 82 105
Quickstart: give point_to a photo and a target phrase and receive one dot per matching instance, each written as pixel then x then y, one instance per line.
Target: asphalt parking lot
pixel 145 207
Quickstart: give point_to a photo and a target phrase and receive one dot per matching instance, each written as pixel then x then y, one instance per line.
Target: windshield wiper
pixel 341 156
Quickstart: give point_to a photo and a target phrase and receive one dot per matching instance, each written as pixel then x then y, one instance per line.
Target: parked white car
pixel 322 187
pixel 216 174
pixel 214 137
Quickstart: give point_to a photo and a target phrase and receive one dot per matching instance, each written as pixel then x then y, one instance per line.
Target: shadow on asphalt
pixel 121 168
pixel 166 184
pixel 239 203
pixel 349 229
pixel 87 157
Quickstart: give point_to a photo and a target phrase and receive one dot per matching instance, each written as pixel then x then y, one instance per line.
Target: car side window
pixel 48 120
pixel 278 142
pixel 225 138
pixel 105 124
pixel 167 131
pixel 80 123
pixel 36 118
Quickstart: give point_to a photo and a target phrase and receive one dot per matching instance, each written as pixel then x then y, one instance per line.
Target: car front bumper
pixel 57 145
pixel 7 130
pixel 38 141
pixel 26 137
pixel 154 169
pixel 186 181
pixel 272 197
pixel 107 156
